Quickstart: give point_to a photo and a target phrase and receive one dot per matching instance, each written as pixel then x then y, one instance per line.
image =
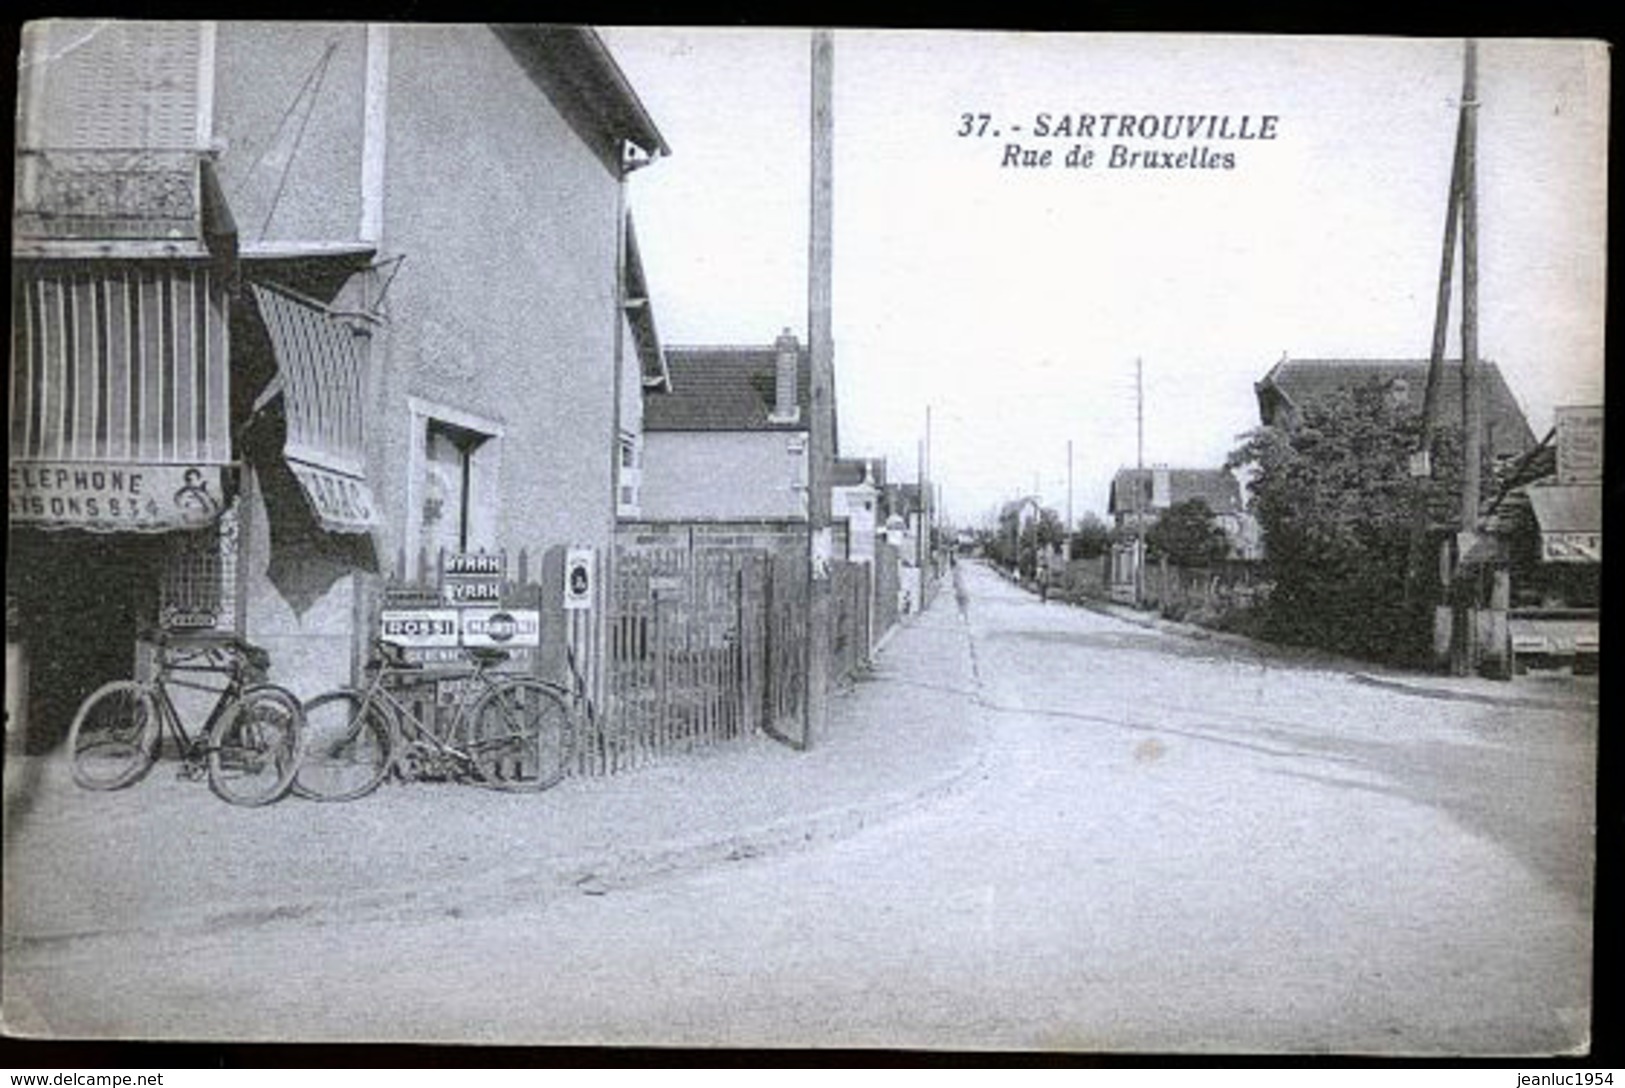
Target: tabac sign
pixel 112 497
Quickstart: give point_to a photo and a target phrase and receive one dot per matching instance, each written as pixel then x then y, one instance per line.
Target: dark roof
pixel 1293 383
pixel 723 389
pixel 576 71
pixel 640 314
pixel 1567 508
pixel 851 471
pixel 1217 487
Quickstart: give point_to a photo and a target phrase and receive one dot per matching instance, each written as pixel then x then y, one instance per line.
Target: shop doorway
pixel 74 604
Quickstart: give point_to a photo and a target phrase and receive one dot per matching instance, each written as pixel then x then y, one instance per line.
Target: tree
pixel 1040 534
pixel 1187 535
pixel 1090 539
pixel 1336 503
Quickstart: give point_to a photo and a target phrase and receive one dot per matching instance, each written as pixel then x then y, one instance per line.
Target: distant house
pixel 855 504
pixel 1546 519
pixel 1139 496
pixel 725 436
pixel 902 510
pixel 1293 384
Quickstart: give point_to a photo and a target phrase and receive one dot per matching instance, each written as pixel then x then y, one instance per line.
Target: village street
pixel 1163 844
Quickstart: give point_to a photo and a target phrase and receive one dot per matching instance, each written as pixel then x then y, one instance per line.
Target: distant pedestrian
pixel 1043 585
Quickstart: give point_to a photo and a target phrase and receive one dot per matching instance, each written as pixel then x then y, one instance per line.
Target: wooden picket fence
pixel 694 639
pixel 706 643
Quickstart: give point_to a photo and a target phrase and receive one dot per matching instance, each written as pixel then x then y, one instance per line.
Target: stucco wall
pixel 258 114
pixel 504 308
pixel 723 475
pixel 506 304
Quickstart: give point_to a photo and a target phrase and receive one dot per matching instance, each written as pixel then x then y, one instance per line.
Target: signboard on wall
pixel 1571 547
pixel 1579 445
pixel 501 627
pixel 104 497
pixel 473 578
pixel 420 627
pixel 578 579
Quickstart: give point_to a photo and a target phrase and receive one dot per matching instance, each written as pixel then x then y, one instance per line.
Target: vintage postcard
pixel 785 538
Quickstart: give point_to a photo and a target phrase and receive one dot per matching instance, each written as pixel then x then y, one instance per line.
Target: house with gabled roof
pixel 1292 384
pixel 1139 496
pixel 725 437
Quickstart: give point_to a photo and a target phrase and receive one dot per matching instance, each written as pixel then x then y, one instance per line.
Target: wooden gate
pixel 706 644
pixel 783 647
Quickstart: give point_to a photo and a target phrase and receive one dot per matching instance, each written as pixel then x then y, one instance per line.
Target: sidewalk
pixel 1535 691
pixel 167 854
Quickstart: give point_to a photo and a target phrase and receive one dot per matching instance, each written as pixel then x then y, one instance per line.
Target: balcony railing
pixel 107 194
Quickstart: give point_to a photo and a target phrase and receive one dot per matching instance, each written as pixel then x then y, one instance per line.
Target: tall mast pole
pixel 1465 649
pixel 927 495
pixel 821 427
pixel 1472 406
pixel 1139 482
pixel 1422 460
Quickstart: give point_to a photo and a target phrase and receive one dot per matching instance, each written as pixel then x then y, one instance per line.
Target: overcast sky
pixel 1015 301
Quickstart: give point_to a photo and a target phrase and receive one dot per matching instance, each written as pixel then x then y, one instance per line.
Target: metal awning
pixel 322 380
pixel 1570 519
pixel 120 396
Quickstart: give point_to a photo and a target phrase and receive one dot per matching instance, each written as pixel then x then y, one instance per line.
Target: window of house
pixel 448 460
pixel 629 477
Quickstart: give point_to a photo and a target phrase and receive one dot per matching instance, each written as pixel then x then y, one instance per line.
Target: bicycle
pixel 248 747
pixel 507 733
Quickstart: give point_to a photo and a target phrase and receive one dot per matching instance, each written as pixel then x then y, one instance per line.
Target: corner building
pixel 295 307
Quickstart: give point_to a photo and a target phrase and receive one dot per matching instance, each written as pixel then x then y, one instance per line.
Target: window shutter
pixel 118 85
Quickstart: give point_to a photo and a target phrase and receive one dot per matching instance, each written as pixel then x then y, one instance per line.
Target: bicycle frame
pixel 413 729
pixel 168 665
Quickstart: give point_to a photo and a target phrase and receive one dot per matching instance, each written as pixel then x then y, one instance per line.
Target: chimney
pixel 786 365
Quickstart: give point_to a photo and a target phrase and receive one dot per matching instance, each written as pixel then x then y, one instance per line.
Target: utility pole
pixel 1465 649
pixel 821 427
pixel 919 525
pixel 1139 481
pixel 1069 487
pixel 930 499
pixel 1422 459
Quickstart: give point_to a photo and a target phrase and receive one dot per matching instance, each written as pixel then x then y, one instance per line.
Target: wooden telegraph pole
pixel 1465 649
pixel 1461 213
pixel 821 427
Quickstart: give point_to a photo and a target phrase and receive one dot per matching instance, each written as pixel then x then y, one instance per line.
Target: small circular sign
pixel 501 627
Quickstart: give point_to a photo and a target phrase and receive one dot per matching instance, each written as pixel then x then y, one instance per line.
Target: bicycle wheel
pixel 114 736
pixel 254 747
pixel 519 736
pixel 348 742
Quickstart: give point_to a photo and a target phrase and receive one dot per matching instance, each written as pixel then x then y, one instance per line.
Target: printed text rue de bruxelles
pixel 1162 141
